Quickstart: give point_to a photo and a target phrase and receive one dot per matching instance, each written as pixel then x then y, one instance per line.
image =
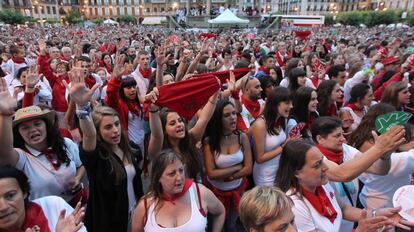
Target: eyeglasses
pixel 247 80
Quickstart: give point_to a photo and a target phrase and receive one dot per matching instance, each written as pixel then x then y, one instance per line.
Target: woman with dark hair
pixel 303 175
pixel 297 79
pixel 226 63
pixel 267 84
pixel 32 143
pixel 111 164
pixel 315 70
pixel 18 213
pixel 106 62
pixel 276 74
pixel 174 202
pixel 122 95
pixel 305 104
pixel 227 159
pixel 268 132
pixel 358 105
pixel 328 93
pixel 397 95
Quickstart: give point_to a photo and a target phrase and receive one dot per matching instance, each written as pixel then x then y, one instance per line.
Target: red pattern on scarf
pixel 187 185
pixel 146 74
pixel 134 107
pixel 279 59
pixel 252 107
pixel 333 156
pixel 18 60
pixel 321 203
pixel 35 217
pixel 354 107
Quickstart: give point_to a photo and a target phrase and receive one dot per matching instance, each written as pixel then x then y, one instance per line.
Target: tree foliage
pixel 369 18
pixel 52 20
pixel 126 19
pixel 12 17
pixel 98 21
pixel 329 20
pixel 73 17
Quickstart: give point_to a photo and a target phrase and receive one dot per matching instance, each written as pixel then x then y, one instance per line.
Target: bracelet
pixel 84 112
pixel 154 111
pixel 212 102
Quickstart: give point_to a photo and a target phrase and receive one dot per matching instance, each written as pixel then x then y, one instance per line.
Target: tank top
pixel 265 173
pixel 196 223
pixel 224 161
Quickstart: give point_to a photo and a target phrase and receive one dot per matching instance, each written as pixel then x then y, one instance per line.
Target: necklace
pixel 227 136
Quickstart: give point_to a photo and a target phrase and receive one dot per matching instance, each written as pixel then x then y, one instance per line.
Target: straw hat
pixel 33 112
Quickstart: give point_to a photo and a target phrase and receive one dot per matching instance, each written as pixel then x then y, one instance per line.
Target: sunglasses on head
pixel 247 80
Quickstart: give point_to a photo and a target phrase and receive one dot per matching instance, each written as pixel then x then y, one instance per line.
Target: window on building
pixel 133 10
pixel 162 9
pixel 117 2
pixel 125 2
pixel 36 10
pixel 103 11
pixel 118 11
pixel 53 10
pixel 125 10
pixel 111 11
pixel 48 9
pixel 95 2
pixel 42 9
pixel 155 9
pixel 96 11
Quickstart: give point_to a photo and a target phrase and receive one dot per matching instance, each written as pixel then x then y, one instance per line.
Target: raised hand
pixel 119 67
pixel 152 96
pixel 231 83
pixel 78 91
pixel 7 102
pixel 71 223
pixel 33 77
pixel 390 140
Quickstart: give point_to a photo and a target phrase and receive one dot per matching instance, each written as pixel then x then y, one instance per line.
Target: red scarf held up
pixel 35 217
pixel 146 74
pixel 225 75
pixel 188 96
pixel 354 107
pixel 252 107
pixel 321 203
pixel 187 185
pixel 18 60
pixel 333 156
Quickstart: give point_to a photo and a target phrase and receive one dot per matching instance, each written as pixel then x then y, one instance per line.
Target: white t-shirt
pixel 379 190
pixel 285 83
pixel 308 219
pixel 352 187
pixel 44 179
pixel 51 207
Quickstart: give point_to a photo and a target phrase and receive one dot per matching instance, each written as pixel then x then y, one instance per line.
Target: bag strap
pixel 146 211
pixel 347 193
pixel 201 209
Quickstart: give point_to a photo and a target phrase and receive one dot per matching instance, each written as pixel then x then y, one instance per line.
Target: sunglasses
pixel 247 81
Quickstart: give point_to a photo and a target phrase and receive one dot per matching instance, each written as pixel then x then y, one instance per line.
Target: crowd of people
pixel 130 128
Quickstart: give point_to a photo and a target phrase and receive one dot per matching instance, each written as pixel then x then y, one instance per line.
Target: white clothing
pixel 247 116
pixel 197 222
pixel 265 173
pixel 308 219
pixel 359 77
pixel 379 190
pixel 13 68
pixel 44 179
pixel 285 83
pixel 130 171
pixel 352 187
pixel 142 82
pixel 224 161
pixel 136 131
pixel 51 206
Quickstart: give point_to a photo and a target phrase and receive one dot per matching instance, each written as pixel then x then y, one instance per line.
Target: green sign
pixel 386 121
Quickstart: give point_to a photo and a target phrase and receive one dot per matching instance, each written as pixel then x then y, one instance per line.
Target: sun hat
pixel 33 112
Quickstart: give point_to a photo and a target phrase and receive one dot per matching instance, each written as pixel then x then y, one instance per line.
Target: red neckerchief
pixel 35 217
pixel 146 74
pixel 264 69
pixel 279 59
pixel 187 185
pixel 317 67
pixel 332 111
pixel 18 60
pixel 90 81
pixel 134 107
pixel 333 156
pixel 321 203
pixel 252 107
pixel 354 107
pixel 50 155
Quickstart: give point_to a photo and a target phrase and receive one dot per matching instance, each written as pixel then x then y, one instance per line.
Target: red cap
pixel 390 60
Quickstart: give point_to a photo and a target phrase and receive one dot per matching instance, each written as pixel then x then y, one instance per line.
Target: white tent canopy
pixel 153 20
pixel 110 21
pixel 227 17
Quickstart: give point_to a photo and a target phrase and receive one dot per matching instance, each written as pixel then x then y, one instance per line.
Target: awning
pixel 153 20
